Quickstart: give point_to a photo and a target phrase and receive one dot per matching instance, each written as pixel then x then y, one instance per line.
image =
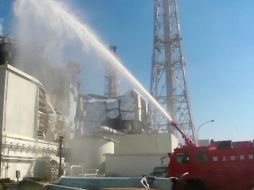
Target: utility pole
pixel 202 124
pixel 168 75
pixel 60 171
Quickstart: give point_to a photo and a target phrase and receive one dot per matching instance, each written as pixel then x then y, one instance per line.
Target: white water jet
pixel 66 26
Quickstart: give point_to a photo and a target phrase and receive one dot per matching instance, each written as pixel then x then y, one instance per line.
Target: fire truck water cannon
pixel 187 140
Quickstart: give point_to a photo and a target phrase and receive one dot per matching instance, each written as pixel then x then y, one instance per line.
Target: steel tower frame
pixel 168 75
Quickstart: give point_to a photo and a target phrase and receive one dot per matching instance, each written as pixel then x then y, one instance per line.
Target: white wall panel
pixel 145 144
pixel 2 91
pixel 89 152
pixel 131 165
pixel 20 106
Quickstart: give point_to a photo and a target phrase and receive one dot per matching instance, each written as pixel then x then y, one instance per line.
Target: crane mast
pixel 168 74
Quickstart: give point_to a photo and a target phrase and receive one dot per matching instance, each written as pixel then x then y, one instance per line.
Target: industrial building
pixel 113 137
pixel 29 123
pixel 102 130
pixel 32 117
pixel 96 128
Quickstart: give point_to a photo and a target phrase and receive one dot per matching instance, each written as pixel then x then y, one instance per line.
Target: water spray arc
pixel 65 24
pixel 168 77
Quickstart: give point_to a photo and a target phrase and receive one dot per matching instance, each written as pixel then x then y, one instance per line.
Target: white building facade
pixel 26 131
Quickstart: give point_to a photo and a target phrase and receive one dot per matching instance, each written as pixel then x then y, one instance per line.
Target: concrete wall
pixel 2 97
pixel 132 155
pixel 146 144
pixel 133 165
pixel 138 154
pixel 90 152
pixel 20 106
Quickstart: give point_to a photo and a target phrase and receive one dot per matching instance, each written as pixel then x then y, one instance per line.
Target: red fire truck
pixel 222 165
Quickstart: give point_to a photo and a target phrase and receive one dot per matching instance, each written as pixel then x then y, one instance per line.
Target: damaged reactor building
pixel 32 116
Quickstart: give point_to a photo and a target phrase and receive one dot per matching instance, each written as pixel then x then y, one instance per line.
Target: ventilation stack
pixel 111 79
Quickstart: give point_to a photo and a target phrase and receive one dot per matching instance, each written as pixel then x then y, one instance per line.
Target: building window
pixel 241 157
pixel 232 158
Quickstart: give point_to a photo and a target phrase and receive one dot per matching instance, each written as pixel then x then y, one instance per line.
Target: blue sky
pixel 218 45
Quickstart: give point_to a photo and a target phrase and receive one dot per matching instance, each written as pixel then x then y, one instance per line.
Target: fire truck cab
pixel 221 165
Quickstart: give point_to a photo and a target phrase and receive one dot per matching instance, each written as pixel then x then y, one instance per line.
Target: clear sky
pixel 218 44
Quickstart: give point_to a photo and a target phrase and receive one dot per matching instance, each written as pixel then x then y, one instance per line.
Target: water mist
pixel 65 26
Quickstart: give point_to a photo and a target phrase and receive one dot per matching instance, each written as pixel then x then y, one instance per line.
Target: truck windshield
pixel 182 158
